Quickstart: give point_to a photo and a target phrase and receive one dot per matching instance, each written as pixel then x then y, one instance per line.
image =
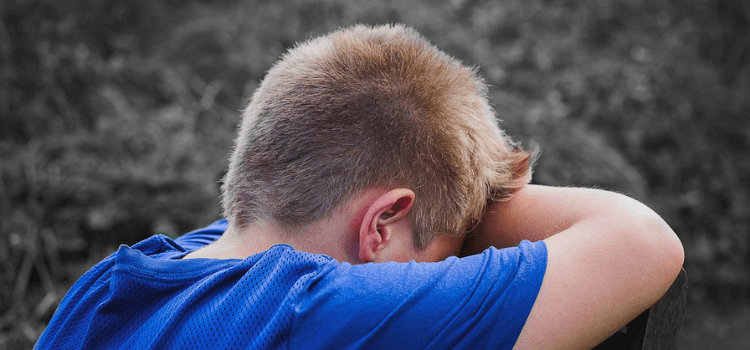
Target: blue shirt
pixel 146 297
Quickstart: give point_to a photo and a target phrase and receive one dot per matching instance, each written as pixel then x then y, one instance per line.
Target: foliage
pixel 116 117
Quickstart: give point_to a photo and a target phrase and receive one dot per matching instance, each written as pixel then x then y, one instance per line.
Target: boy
pixel 362 160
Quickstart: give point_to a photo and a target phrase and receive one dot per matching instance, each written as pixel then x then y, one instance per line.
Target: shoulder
pixel 436 300
pixel 523 264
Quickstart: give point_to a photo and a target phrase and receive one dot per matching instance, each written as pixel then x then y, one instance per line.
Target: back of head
pixel 365 107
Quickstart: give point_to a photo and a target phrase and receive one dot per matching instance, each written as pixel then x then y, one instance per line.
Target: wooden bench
pixel 656 328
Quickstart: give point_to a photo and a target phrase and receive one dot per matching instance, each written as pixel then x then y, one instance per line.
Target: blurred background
pixel 116 119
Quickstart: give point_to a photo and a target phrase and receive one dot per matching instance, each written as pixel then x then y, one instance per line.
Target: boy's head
pixel 370 107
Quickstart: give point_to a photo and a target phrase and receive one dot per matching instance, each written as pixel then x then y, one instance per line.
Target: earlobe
pixel 377 225
pixel 369 243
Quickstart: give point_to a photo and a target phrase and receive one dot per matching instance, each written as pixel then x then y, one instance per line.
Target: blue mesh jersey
pixel 146 297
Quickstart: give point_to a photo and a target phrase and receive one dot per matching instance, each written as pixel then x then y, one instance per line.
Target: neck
pixel 320 238
pixel 336 236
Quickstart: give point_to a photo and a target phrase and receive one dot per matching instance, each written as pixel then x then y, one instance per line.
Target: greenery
pixel 116 118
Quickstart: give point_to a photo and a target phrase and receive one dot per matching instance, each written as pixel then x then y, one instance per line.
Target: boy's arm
pixel 609 258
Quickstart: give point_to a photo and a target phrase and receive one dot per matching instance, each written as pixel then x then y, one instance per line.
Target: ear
pixel 380 222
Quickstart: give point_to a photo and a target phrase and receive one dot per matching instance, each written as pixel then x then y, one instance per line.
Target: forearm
pixel 506 224
pixel 538 212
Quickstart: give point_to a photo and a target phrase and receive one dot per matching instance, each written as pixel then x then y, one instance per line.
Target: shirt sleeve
pixel 476 302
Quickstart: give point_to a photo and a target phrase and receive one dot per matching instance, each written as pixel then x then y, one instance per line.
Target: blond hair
pixel 365 107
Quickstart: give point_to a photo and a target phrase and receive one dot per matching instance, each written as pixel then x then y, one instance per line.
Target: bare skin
pixel 609 259
pixel 609 256
pixel 372 227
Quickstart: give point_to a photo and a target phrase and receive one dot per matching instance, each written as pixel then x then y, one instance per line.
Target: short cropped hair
pixel 365 107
